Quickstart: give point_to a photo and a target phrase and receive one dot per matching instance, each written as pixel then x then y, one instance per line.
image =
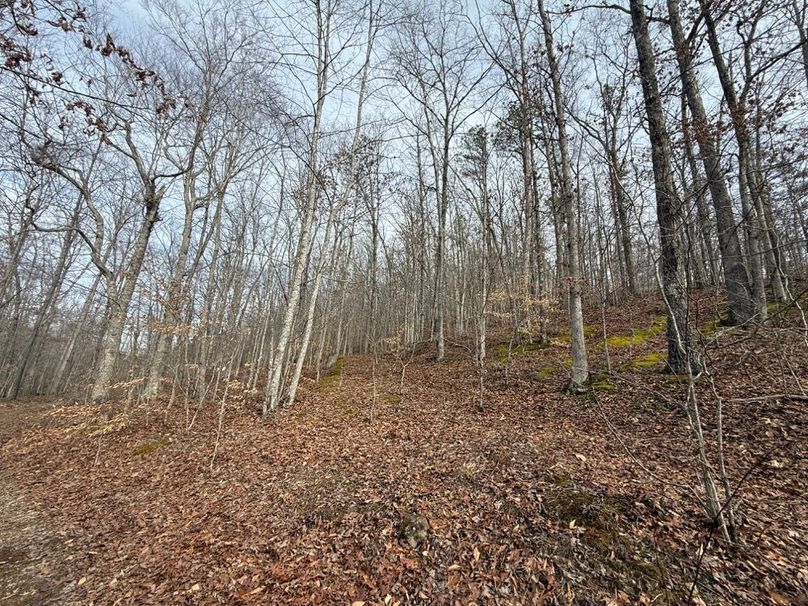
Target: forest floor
pixel 419 496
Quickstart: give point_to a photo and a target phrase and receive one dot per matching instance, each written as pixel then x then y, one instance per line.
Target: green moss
pixel 150 447
pixel 501 351
pixel 601 383
pixel 544 373
pixel 566 503
pixel 589 332
pixel 713 325
pixel 649 360
pixel 785 311
pixel 333 374
pixel 391 398
pixel 605 536
pixel 348 410
pixel 621 341
pixel 639 337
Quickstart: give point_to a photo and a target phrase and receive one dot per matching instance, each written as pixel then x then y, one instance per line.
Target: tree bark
pixel 736 277
pixel 580 366
pixel 681 358
pixel 119 301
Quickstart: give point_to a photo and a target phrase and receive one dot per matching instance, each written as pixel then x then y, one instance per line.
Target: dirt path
pixel 31 550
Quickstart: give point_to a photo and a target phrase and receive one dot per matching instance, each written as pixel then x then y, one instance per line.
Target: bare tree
pixel 669 216
pixel 580 365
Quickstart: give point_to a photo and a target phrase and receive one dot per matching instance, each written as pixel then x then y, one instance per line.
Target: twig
pixel 631 455
pixel 779 396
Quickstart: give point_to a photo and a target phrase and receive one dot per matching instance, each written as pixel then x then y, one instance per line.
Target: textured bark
pixel 747 178
pixel 799 20
pixel 736 277
pixel 669 211
pixel 580 366
pixel 119 301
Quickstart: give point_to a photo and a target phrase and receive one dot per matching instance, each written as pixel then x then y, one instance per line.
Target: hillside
pixel 419 496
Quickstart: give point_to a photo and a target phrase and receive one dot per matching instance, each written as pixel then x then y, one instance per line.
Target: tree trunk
pixel 580 366
pixel 736 277
pixel 747 181
pixel 119 302
pixel 669 216
pixel 42 321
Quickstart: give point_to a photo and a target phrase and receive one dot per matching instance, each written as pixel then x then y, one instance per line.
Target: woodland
pixel 375 302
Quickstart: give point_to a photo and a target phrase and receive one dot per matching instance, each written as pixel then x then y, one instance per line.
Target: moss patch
pixel 639 337
pixel 501 351
pixel 333 374
pixel 713 325
pixel 601 383
pixel 347 409
pixel 786 311
pixel 589 332
pixel 544 373
pixel 566 503
pixel 606 537
pixel 150 447
pixel 655 358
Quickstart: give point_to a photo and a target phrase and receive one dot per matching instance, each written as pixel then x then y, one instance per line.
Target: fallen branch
pixel 779 396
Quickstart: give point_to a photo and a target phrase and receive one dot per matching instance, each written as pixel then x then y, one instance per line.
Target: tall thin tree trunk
pixel 42 320
pixel 119 304
pixel 747 181
pixel 669 209
pixel 580 366
pixel 736 278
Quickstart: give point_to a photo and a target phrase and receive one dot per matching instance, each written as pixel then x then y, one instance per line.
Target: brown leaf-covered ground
pixel 420 496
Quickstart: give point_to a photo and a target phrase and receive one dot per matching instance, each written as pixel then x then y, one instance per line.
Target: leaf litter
pixel 422 498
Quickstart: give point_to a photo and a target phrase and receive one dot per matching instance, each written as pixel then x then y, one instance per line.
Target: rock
pixel 414 529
